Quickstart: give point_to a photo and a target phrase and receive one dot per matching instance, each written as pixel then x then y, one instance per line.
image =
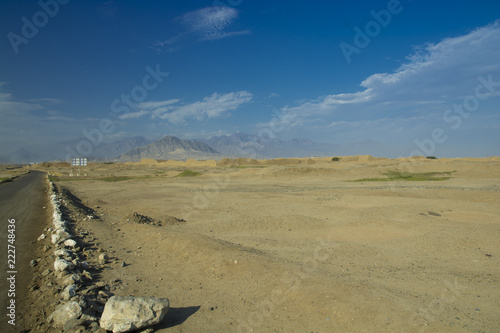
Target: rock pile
pixel 142 219
pixel 83 301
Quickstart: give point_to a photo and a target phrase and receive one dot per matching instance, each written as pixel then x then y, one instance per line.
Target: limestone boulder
pixel 128 313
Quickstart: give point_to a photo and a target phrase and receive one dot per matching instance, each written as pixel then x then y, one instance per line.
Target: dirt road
pixel 22 202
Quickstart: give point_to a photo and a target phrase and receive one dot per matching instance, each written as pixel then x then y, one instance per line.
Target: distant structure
pixel 79 162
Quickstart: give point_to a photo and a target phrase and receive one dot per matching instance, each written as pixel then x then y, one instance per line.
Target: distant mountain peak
pixel 170 147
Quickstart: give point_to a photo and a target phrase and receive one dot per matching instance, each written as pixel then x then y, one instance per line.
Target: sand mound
pixel 143 219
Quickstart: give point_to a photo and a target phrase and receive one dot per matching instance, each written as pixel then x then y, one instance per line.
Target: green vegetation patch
pixel 188 173
pixel 336 159
pixel 396 175
pixel 4 179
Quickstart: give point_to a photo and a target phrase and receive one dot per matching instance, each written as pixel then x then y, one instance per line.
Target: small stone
pixel 42 236
pixel 103 258
pixel 87 275
pixel 90 319
pixel 123 264
pixel 63 265
pixel 72 279
pixel 46 272
pixel 33 263
pixel 72 324
pixel 70 243
pixel 64 313
pixel 434 213
pixel 84 265
pixel 59 236
pixel 63 253
pixel 68 292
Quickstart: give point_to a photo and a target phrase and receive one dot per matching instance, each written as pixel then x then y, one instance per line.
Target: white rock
pixel 64 313
pixel 59 224
pixel 68 292
pixel 42 236
pixel 54 239
pixel 63 265
pixel 72 279
pixel 59 236
pixel 128 313
pixel 103 258
pixel 70 243
pixel 62 253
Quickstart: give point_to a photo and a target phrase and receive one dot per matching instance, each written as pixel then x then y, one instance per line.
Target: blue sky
pixel 414 76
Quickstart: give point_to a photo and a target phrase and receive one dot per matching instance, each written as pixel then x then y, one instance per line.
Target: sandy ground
pixel 294 246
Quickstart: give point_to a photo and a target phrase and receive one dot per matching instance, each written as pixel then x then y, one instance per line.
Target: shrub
pixel 336 159
pixel 431 157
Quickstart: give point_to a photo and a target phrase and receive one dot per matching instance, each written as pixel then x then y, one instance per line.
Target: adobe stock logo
pixel 372 29
pixel 30 28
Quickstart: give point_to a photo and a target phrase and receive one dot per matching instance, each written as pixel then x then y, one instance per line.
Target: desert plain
pixel 296 245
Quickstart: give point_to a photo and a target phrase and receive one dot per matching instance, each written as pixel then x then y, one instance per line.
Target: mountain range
pixel 253 146
pixel 133 149
pixel 170 148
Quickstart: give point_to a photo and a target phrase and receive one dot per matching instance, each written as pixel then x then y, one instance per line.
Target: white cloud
pixel 133 115
pixel 154 105
pixel 216 105
pixel 435 76
pixel 9 106
pixel 208 23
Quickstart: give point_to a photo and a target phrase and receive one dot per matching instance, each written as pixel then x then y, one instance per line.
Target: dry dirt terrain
pixel 295 245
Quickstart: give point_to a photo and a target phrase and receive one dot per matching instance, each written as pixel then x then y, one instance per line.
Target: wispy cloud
pixel 9 107
pixel 155 105
pixel 432 78
pixel 214 106
pixel 210 23
pixel 133 115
